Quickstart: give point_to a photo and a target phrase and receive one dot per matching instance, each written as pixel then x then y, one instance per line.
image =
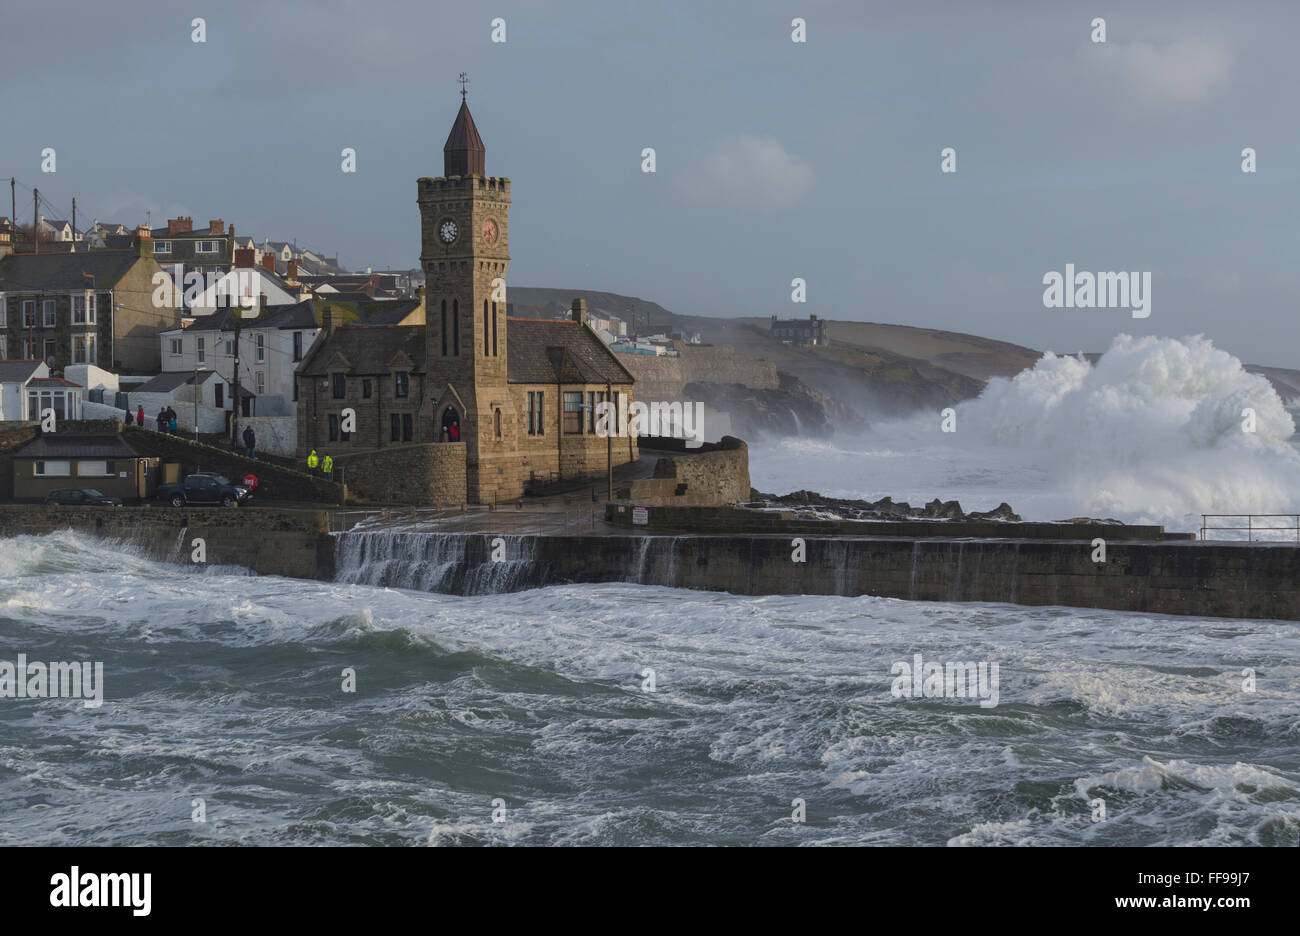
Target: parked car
pixel 82 497
pixel 204 488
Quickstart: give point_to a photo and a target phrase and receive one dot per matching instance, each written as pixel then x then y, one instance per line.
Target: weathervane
pixel 464 80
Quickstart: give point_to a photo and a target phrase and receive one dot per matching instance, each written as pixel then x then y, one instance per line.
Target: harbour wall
pixel 1230 580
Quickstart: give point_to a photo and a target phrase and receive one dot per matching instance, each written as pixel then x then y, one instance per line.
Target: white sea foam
pixel 1153 432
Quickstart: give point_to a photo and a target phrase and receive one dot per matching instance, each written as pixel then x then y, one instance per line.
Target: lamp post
pixel 196 393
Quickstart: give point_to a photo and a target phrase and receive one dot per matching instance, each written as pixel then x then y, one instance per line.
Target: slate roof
pixel 463 152
pixel 547 351
pixel 18 371
pixel 387 311
pixel 298 315
pixel 166 383
pixel 60 445
pixel 100 269
pixel 368 349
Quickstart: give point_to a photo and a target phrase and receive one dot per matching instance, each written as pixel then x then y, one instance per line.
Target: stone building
pixel 811 331
pixel 519 395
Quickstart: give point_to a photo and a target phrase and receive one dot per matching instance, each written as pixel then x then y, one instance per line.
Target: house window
pixel 205 246
pixel 83 349
pixel 4 348
pixel 56 400
pixel 47 313
pixel 4 311
pixel 200 351
pixel 297 346
pixel 230 347
pixel 175 344
pixel 340 385
pixel 589 416
pixel 535 425
pixel 334 427
pixel 395 428
pixel 366 388
pixel 402 384
pixel 408 427
pixel 53 469
pixel 79 309
pixel 27 349
pixel 96 469
pixel 47 354
pixel 344 435
pixel 162 247
pixel 90 309
pixel 572 413
pixel 219 391
pixel 259 380
pixel 29 313
pixel 259 349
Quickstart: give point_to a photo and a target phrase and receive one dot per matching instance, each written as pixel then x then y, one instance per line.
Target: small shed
pixel 102 462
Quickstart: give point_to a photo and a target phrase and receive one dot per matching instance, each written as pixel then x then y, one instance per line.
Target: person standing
pixel 312 462
pixel 139 415
pixel 455 431
pixel 250 442
pixel 161 422
pixel 328 467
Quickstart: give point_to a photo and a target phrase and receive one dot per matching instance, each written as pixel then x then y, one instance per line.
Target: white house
pixel 245 285
pixel 27 390
pixel 270 347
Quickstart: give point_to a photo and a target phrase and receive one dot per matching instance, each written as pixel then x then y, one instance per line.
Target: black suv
pixel 204 489
pixel 82 497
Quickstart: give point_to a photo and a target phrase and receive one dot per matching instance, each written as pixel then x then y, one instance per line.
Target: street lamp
pixel 196 393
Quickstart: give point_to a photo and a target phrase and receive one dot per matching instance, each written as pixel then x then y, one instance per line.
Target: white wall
pixel 277 435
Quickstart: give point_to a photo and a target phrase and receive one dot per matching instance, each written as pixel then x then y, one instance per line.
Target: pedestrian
pixel 129 417
pixel 171 420
pixel 312 462
pixel 328 467
pixel 139 415
pixel 455 431
pixel 161 422
pixel 250 442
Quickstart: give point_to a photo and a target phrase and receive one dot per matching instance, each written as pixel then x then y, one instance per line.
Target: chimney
pixel 181 225
pixel 327 320
pixel 579 313
pixel 217 227
pixel 268 262
pixel 244 258
pixel 144 241
pixel 291 271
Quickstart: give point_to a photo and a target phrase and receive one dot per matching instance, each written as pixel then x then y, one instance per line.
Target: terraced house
pixel 82 308
pixel 496 403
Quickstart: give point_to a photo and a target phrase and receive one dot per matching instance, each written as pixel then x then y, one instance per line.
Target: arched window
pixel 444 328
pixel 494 329
pixel 496 418
pixel 486 328
pixel 455 326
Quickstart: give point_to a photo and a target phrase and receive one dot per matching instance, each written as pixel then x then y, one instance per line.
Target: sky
pixel 774 159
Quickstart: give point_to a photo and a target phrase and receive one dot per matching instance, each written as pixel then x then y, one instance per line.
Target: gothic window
pixel 444 328
pixel 455 326
pixel 402 384
pixel 486 328
pixel 496 420
pixel 494 329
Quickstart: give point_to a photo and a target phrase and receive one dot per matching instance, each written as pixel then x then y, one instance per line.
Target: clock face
pixel 447 231
pixel 490 231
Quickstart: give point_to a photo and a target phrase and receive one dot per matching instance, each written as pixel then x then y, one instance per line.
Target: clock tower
pixel 464 252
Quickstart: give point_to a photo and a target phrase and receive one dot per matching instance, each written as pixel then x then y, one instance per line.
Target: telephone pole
pixel 36 203
pixel 74 225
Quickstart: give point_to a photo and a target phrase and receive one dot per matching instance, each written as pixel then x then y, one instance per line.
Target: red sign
pixel 250 481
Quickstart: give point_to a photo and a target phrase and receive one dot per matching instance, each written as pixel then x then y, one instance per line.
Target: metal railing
pixel 1251 529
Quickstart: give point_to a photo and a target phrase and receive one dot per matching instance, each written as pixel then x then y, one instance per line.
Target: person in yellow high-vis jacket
pixel 328 467
pixel 312 462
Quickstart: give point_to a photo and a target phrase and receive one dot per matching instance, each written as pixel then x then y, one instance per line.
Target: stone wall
pixel 295 543
pixel 416 475
pixel 665 378
pixel 716 474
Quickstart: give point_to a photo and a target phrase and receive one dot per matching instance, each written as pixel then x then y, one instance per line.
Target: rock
pixel 1002 511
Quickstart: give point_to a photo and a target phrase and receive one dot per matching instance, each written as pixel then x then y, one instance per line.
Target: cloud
pixel 749 173
pixel 1184 72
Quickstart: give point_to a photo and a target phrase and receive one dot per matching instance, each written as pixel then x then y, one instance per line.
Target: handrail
pixel 1250 529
